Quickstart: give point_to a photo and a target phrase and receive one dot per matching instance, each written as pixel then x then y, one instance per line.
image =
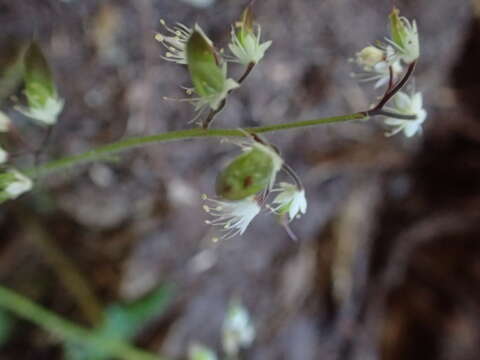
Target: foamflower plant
pixel 253 180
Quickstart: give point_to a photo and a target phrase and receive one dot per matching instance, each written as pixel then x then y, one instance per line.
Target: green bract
pixel 208 76
pixel 249 173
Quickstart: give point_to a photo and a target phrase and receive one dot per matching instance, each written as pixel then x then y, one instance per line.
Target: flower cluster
pixel 208 66
pixel 244 185
pixel 384 61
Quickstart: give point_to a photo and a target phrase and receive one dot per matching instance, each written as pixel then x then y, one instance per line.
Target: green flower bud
pixel 208 76
pixel 250 173
pixel 44 104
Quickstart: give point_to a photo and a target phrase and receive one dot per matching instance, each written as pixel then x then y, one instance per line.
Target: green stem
pixel 66 330
pixel 130 143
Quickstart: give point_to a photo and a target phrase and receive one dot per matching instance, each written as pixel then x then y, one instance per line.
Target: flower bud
pixel 12 184
pixel 44 104
pixel 209 77
pixel 250 173
pixel 370 56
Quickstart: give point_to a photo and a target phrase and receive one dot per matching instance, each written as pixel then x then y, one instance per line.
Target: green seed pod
pixel 249 173
pixel 207 77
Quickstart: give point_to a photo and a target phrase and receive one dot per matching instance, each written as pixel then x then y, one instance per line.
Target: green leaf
pixel 207 76
pixel 6 326
pixel 123 322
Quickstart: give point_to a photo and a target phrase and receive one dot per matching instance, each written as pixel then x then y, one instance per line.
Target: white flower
pixel 13 184
pixel 407 105
pixel 3 156
pixel 200 352
pixel 405 38
pixel 175 43
pixel 246 46
pixel 376 64
pixel 233 216
pixel 46 113
pixel 290 200
pixel 237 331
pixel 4 122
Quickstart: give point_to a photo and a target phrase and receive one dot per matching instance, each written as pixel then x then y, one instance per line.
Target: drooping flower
pixel 375 64
pixel 405 38
pixel 233 217
pixel 175 42
pixel 237 330
pixel 13 184
pixel 405 104
pixel 44 103
pixel 290 200
pixel 246 45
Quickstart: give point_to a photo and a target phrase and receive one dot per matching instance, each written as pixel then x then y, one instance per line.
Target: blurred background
pixel 388 262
